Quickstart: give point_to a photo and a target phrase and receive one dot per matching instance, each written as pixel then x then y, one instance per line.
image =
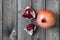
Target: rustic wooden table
pixel 42 34
pixel 10 17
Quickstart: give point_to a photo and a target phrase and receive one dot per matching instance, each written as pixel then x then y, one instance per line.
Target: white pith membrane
pixel 28 7
pixel 33 14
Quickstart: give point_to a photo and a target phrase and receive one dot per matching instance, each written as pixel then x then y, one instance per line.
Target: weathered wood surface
pixel 53 33
pixel 38 5
pixel 48 34
pixel 0 19
pixel 22 22
pixel 9 17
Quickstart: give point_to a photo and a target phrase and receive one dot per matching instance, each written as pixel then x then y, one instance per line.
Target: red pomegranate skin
pixel 46 18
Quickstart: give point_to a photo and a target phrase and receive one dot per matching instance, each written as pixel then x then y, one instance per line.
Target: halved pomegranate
pixel 28 13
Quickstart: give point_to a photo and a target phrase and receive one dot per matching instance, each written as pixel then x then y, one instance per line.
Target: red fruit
pixel 29 13
pixel 30 29
pixel 46 18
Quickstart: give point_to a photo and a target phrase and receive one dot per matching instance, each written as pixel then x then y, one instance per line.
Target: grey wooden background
pixel 0 19
pixel 10 18
pixel 41 34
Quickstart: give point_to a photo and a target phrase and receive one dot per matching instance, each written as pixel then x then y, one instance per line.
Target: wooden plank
pixel 0 19
pixel 9 17
pixel 22 22
pixel 53 33
pixel 38 5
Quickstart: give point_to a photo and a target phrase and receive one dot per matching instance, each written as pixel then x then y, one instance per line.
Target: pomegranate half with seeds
pixel 28 13
pixel 46 18
pixel 30 28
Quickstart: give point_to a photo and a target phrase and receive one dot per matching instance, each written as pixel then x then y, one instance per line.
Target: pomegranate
pixel 28 13
pixel 46 18
pixel 30 29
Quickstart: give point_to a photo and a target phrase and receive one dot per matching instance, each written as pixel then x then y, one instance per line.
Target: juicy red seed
pixel 27 15
pixel 30 26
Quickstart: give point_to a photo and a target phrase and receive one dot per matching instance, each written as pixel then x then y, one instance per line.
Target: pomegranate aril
pixel 31 26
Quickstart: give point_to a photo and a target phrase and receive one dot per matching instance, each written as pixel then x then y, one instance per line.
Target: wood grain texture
pixel 22 22
pixel 0 19
pixel 41 34
pixel 9 17
pixel 53 33
pixel 38 5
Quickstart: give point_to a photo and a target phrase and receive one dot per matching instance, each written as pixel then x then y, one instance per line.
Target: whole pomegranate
pixel 46 18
